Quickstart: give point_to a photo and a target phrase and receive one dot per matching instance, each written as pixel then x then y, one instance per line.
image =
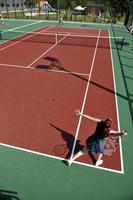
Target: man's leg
pixel 72 158
pixel 99 161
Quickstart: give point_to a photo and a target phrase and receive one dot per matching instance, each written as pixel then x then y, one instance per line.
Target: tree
pixel 14 6
pixel 7 6
pixel 22 6
pixel 119 6
pixel 2 5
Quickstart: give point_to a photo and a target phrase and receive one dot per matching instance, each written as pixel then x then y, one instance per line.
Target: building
pixel 94 8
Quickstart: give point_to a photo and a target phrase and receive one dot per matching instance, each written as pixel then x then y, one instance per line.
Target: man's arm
pixel 77 111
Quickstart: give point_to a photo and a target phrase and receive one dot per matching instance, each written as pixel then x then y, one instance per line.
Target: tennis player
pixel 60 22
pixel 103 142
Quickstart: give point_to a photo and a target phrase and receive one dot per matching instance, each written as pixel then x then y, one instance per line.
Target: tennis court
pixel 46 72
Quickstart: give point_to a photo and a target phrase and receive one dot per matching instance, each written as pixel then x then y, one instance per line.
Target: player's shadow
pixel 55 63
pixel 69 139
pixel 8 195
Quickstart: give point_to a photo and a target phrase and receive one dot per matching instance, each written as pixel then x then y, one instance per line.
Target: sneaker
pixel 69 162
pixel 98 162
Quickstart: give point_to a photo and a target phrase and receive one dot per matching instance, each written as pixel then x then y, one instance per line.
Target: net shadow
pixel 128 94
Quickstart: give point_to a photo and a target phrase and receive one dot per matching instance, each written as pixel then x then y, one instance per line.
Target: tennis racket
pixel 110 145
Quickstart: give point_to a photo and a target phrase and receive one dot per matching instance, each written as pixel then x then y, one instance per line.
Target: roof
pixel 79 8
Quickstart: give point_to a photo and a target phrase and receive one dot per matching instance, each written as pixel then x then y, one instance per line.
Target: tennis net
pixel 63 39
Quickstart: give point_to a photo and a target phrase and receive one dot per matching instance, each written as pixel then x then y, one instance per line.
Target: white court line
pixel 117 111
pixel 14 43
pixel 45 70
pixel 19 27
pixel 24 26
pixel 58 158
pixel 85 96
pixel 48 50
pixel 12 66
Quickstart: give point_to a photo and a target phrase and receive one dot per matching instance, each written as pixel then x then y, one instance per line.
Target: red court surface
pixel 37 102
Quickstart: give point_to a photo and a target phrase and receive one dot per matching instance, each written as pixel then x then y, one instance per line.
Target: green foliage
pixel 117 4
pixel 2 4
